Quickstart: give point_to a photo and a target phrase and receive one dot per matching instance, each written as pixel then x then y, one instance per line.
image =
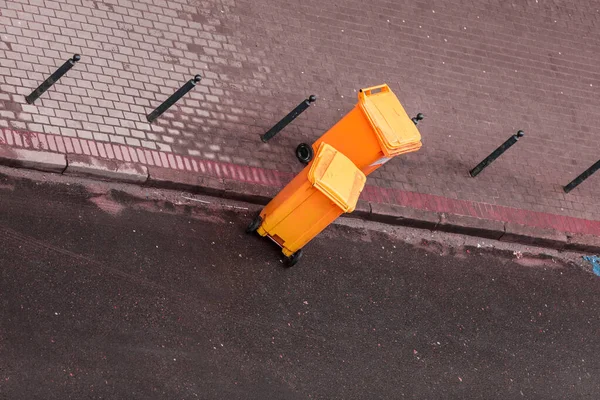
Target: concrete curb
pixel 175 180
pixel 32 159
pixel 535 236
pixel 390 214
pixel 113 170
pixel 88 166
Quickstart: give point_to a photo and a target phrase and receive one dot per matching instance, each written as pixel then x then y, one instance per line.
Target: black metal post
pixel 418 118
pixel 496 153
pixel 586 174
pixel 52 79
pixel 288 118
pixel 182 91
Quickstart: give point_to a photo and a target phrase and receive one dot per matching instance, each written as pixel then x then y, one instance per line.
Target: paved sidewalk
pixel 478 70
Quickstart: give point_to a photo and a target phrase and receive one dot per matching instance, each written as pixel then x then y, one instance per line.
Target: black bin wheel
pixel 254 225
pixel 294 259
pixel 304 153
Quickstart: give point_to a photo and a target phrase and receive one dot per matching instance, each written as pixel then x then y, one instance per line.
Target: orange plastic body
pixel 356 134
pixel 297 214
pixel 318 195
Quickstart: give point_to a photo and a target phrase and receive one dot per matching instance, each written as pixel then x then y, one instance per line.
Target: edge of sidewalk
pixel 114 170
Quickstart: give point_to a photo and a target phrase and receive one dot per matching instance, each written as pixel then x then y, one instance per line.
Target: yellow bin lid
pixel 337 177
pixel 395 130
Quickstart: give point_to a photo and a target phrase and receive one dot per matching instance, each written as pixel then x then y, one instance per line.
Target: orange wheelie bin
pixel 318 195
pixel 375 131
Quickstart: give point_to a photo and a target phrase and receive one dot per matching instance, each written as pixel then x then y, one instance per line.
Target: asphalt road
pixel 146 300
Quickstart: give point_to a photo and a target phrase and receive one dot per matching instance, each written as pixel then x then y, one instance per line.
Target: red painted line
pixel 156 158
pixel 240 173
pixel 400 197
pixel 277 179
pixel 140 155
pixel 224 171
pixel 188 165
pixel 148 157
pixel 93 148
pixel 18 140
pixel 33 141
pixel 52 143
pixel 78 149
pixel 209 168
pixel 133 155
pixel 179 162
pixel 86 149
pixel 9 137
pixel 101 150
pixel 172 164
pixel 163 159
pixel 68 145
pixel 125 152
pixel 118 153
pixel 255 175
pixel 43 144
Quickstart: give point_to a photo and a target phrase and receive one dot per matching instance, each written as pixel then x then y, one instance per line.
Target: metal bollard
pixel 418 118
pixel 288 118
pixel 52 79
pixel 496 153
pixel 586 174
pixel 182 91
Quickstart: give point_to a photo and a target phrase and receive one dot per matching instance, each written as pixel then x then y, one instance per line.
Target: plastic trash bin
pixel 318 195
pixel 375 131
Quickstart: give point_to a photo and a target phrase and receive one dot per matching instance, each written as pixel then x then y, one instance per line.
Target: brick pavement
pixel 479 70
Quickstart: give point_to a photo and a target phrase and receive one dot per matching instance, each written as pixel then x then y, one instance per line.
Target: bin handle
pixel 367 91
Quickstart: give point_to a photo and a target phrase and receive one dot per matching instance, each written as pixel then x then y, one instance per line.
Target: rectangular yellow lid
pixel 337 177
pixel 395 130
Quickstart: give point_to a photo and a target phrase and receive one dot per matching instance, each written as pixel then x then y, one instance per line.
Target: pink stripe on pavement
pixel 255 175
